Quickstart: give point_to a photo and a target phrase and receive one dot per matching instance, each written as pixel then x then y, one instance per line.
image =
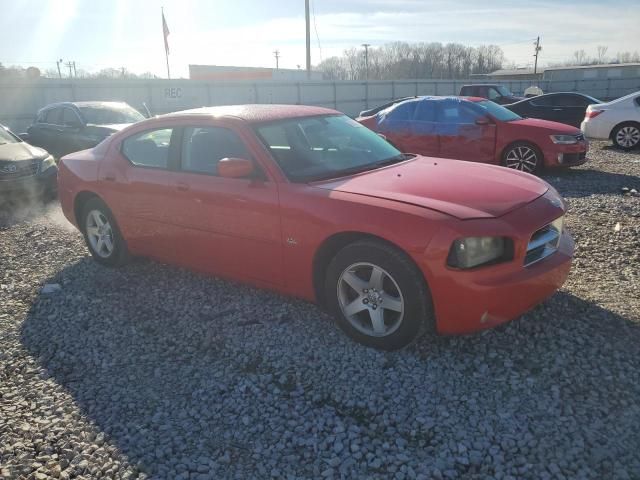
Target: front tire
pixel 626 136
pixel 378 296
pixel 523 156
pixel 102 235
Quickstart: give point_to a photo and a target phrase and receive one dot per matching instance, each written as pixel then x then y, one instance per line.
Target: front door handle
pixel 183 187
pixel 558 109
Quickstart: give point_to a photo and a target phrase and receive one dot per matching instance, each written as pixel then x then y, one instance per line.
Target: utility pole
pixel 276 53
pixel 366 60
pixel 69 66
pixel 58 62
pixel 537 49
pixel 306 16
pixel 75 74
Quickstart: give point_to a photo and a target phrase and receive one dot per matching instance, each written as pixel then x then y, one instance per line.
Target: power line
pixel 276 53
pixel 537 51
pixel 315 27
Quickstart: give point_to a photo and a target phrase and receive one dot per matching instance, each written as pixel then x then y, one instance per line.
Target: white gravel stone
pixel 151 371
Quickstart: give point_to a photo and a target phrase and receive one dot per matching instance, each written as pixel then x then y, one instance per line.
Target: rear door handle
pixel 110 178
pixel 558 109
pixel 183 187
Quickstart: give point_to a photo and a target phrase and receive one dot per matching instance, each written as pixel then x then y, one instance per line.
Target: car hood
pixel 464 190
pixel 114 127
pixel 552 127
pixel 15 152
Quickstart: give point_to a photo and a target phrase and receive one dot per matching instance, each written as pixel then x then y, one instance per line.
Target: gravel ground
pixel 154 372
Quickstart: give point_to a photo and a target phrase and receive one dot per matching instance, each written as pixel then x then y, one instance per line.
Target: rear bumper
pixel 595 129
pixel 478 300
pixel 34 185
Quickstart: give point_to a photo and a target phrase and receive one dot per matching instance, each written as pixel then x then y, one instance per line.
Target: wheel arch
pixel 620 124
pixel 80 201
pixel 333 244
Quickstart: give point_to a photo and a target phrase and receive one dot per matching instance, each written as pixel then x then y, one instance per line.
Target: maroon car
pixel 478 130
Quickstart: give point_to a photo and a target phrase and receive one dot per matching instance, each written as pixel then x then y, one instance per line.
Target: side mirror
pixel 483 121
pixel 235 168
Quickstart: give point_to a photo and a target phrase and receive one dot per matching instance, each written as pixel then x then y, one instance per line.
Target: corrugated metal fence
pixel 19 101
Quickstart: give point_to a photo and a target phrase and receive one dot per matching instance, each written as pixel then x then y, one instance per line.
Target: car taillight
pixel 592 113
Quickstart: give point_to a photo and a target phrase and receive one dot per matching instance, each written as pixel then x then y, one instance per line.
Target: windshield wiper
pixel 363 168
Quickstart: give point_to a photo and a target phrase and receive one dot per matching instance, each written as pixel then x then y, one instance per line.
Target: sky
pixel 128 33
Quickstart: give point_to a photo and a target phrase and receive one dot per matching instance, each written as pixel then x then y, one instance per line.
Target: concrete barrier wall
pixel 19 101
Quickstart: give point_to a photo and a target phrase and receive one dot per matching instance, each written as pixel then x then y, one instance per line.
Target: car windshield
pixel 6 136
pixel 498 111
pixel 504 91
pixel 110 115
pixel 322 147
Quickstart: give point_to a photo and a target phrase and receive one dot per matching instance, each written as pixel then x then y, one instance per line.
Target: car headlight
pixel 475 251
pixel 563 139
pixel 47 162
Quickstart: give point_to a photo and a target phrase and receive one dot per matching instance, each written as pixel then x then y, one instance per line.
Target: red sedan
pixel 308 202
pixel 478 130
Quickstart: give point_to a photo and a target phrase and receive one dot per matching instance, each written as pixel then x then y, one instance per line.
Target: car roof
pixel 257 113
pixel 88 103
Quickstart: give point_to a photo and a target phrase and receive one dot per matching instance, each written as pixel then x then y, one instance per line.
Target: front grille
pixel 12 170
pixel 573 157
pixel 544 242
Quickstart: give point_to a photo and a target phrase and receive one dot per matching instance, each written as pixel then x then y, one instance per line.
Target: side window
pixel 53 116
pixel 148 149
pixel 204 147
pixel 454 112
pixel 403 111
pixel 70 118
pixel 493 94
pixel 569 101
pixel 543 101
pixel 425 111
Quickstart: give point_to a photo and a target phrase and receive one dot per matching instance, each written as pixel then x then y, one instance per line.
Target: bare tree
pixel 602 51
pixel 402 60
pixel 580 57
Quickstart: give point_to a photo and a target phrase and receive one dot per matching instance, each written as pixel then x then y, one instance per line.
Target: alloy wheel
pixel 522 158
pixel 628 137
pixel 99 233
pixel 370 299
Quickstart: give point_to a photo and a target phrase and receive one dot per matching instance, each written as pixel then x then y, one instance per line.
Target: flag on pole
pixel 165 31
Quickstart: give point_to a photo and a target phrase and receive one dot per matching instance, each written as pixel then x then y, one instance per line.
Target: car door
pixel 71 137
pixel 464 131
pixel 570 108
pixel 44 132
pixel 395 125
pixel 134 183
pixel 424 137
pixel 229 226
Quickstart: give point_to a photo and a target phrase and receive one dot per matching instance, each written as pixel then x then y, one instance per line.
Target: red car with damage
pixel 308 202
pixel 478 130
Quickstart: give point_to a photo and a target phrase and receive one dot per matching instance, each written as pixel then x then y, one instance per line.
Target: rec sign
pixel 173 93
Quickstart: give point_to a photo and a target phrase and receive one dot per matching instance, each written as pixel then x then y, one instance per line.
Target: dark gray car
pixel 25 169
pixel 68 127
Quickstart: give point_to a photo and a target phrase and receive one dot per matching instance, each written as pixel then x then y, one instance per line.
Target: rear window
pixel 498 111
pixel 110 115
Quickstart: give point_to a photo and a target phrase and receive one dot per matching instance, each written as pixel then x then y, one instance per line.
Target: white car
pixel 618 120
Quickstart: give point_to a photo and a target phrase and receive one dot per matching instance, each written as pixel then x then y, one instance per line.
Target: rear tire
pixel 378 296
pixel 523 156
pixel 102 235
pixel 626 136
